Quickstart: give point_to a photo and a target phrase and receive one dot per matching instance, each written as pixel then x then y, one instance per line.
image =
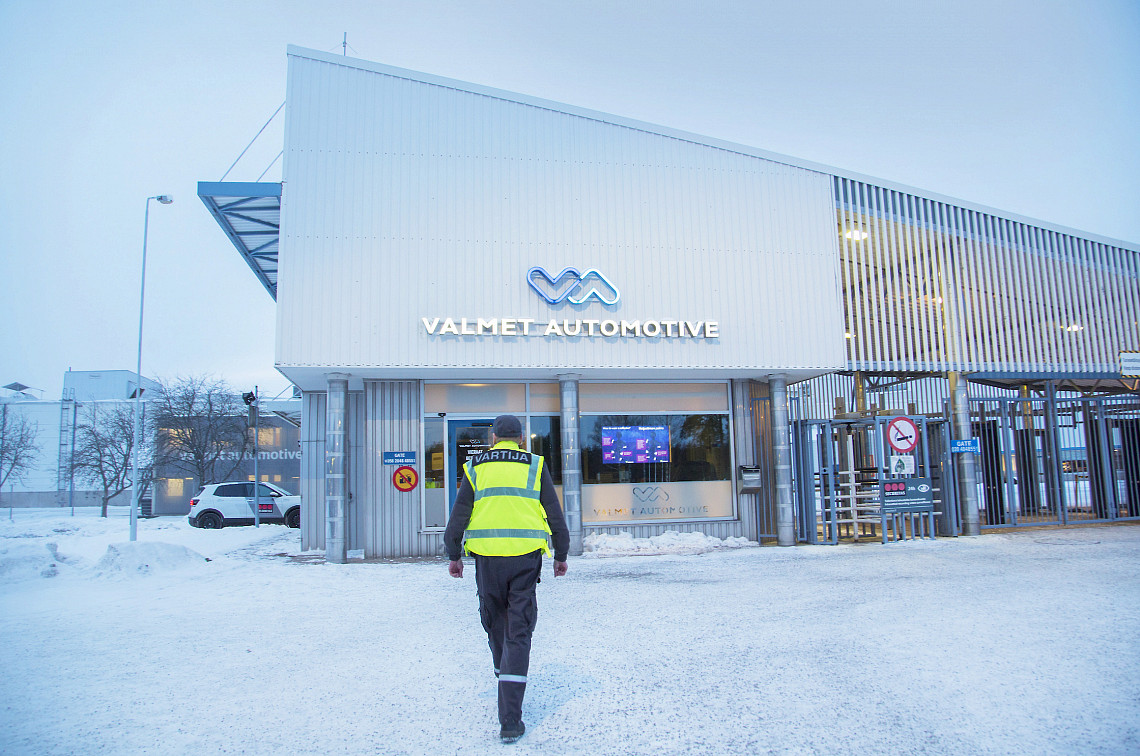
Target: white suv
pixel 221 504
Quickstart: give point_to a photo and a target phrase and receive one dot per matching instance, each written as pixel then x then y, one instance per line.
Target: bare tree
pixel 202 428
pixel 104 448
pixel 19 445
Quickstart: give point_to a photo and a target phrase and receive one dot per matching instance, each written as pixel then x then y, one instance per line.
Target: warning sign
pixel 902 434
pixel 405 478
pixel 906 494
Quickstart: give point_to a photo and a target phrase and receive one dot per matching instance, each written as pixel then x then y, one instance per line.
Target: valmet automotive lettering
pixel 665 329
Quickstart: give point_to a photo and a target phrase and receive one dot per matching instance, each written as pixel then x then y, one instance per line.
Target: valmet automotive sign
pixel 575 287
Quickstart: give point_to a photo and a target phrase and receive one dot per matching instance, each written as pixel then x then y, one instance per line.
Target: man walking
pixel 506 507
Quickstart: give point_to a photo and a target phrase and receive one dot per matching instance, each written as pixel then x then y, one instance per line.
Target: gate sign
pixel 400 458
pixel 405 478
pixel 966 446
pixel 902 434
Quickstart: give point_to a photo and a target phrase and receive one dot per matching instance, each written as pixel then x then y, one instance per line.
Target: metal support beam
pixel 571 460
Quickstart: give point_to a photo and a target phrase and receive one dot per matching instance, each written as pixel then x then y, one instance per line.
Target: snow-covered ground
pixel 1025 642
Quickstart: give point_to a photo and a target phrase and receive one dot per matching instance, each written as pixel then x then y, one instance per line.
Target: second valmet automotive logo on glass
pixel 577 288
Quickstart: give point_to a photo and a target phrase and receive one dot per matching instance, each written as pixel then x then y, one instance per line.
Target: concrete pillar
pixel 781 442
pixel 967 475
pixel 571 460
pixel 336 466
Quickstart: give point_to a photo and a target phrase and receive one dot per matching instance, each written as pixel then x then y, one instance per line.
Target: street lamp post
pixel 136 493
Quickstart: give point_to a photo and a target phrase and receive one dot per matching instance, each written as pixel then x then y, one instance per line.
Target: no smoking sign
pixel 902 434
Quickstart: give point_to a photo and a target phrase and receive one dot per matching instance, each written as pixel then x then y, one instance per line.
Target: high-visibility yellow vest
pixel 507 518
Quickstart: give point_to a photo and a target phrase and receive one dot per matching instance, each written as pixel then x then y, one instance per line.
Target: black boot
pixel 510 734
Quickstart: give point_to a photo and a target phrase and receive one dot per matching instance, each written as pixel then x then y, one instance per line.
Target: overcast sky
pixel 1029 106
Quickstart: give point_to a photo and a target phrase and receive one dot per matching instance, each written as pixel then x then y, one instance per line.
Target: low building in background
pixel 278 460
pixel 50 482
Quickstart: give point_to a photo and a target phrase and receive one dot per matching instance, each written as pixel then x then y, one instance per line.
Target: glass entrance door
pixel 465 439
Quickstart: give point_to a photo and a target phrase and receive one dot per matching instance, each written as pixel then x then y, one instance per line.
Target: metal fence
pixel 1040 461
pixel 838 466
pixel 1057 461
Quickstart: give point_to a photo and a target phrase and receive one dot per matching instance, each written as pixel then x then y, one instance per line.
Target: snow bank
pixel 146 557
pixel 50 542
pixel 669 542
pixel 21 561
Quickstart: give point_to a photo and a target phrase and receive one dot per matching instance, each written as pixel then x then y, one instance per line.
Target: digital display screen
pixel 623 444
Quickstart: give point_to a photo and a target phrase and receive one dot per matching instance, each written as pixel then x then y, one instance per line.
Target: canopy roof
pixel 250 214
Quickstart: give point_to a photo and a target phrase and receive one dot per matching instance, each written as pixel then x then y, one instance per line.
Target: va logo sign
pixel 572 286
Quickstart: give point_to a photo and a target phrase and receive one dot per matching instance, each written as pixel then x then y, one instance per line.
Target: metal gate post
pixel 1008 458
pixel 950 520
pixel 804 506
pixel 830 526
pixel 1053 476
pixel 1107 465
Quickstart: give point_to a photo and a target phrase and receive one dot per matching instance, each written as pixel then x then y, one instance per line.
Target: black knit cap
pixel 507 426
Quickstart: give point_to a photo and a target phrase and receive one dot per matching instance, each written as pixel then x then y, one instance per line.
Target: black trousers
pixel 508 608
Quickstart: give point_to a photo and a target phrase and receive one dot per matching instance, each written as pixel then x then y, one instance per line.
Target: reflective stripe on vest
pixel 506 533
pixel 507 517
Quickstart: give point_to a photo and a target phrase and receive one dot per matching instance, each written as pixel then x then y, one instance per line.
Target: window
pixel 662 467
pixel 654 448
pixel 682 471
pixel 546 441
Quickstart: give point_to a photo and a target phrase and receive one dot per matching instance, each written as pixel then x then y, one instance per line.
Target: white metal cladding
pixel 931 286
pixel 407 199
pixel 394 524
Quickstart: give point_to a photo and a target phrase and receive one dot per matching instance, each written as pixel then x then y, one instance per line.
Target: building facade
pixel 642 298
pixel 50 483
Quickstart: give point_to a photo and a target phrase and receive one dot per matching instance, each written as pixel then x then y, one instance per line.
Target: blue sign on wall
pixel 966 446
pixel 400 458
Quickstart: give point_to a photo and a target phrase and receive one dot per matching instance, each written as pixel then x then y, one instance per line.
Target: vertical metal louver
pixel 929 286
